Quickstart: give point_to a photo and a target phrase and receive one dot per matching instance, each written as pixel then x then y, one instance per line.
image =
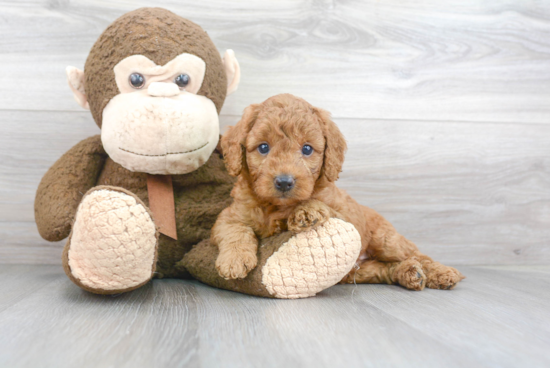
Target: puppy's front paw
pixel 235 265
pixel 308 215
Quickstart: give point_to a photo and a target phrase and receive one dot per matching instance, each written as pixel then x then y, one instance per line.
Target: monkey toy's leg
pixel 112 247
pixel 394 259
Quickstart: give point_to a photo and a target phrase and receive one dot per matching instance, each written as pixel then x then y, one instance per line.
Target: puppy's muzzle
pixel 284 183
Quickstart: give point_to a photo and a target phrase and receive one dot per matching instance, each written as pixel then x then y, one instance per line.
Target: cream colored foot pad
pixel 312 261
pixel 113 242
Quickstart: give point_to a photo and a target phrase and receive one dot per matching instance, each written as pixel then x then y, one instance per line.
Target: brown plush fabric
pixel 199 197
pixel 64 185
pixel 160 35
pixel 201 264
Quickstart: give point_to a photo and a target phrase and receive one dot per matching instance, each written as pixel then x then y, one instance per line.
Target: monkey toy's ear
pixel 232 70
pixel 75 77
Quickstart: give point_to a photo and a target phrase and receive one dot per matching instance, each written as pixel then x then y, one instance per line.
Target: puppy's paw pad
pixel 236 265
pixel 410 275
pixel 304 219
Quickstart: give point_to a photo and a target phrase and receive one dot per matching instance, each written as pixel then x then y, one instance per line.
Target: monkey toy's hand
pixel 308 215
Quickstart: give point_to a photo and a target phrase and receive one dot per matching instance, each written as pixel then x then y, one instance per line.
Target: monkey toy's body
pixel 155 84
pixel 199 197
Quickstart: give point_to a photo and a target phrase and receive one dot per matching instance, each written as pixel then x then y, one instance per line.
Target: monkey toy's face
pixel 158 124
pixel 159 113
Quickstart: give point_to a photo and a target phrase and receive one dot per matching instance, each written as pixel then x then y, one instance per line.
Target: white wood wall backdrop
pixel 445 105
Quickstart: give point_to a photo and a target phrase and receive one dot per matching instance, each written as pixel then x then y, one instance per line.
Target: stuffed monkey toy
pixel 139 200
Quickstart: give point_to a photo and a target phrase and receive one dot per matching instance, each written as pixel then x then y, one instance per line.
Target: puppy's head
pixel 285 148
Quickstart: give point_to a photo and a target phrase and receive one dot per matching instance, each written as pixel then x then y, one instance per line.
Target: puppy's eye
pixel 182 80
pixel 263 148
pixel 136 80
pixel 307 150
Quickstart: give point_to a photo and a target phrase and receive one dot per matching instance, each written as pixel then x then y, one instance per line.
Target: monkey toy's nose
pixel 162 89
pixel 284 183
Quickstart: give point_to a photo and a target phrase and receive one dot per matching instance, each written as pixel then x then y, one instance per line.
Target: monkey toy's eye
pixel 136 80
pixel 307 150
pixel 182 80
pixel 263 148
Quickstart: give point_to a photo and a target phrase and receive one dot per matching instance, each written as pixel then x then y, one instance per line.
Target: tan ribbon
pixel 161 203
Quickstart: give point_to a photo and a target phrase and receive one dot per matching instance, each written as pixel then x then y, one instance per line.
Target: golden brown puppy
pixel 287 155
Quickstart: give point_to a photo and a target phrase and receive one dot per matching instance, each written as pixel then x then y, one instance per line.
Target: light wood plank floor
pixel 498 317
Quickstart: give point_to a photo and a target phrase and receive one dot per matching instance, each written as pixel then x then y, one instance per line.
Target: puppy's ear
pixel 234 140
pixel 335 146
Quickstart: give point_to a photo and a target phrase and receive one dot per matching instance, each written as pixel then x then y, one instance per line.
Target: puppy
pixel 287 155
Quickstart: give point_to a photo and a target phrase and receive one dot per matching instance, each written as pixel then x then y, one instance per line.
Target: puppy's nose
pixel 284 183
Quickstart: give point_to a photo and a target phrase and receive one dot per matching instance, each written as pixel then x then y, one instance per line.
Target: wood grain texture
pixel 495 318
pixel 445 106
pixel 466 193
pixel 461 60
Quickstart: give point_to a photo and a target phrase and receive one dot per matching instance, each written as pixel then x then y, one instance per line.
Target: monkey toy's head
pixel 155 85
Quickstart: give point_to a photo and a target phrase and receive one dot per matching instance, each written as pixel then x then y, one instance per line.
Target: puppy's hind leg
pixel 407 273
pixel 439 276
pixel 387 245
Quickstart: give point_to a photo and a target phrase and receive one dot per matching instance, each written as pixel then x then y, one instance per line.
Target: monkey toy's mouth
pixel 171 137
pixel 164 154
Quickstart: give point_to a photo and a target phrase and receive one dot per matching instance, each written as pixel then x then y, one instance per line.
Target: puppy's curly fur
pixel 285 124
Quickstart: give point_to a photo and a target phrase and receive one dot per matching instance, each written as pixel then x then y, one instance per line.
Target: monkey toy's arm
pixel 63 186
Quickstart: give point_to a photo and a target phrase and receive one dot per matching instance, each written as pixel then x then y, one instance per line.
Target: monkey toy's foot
pixel 312 261
pixel 113 244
